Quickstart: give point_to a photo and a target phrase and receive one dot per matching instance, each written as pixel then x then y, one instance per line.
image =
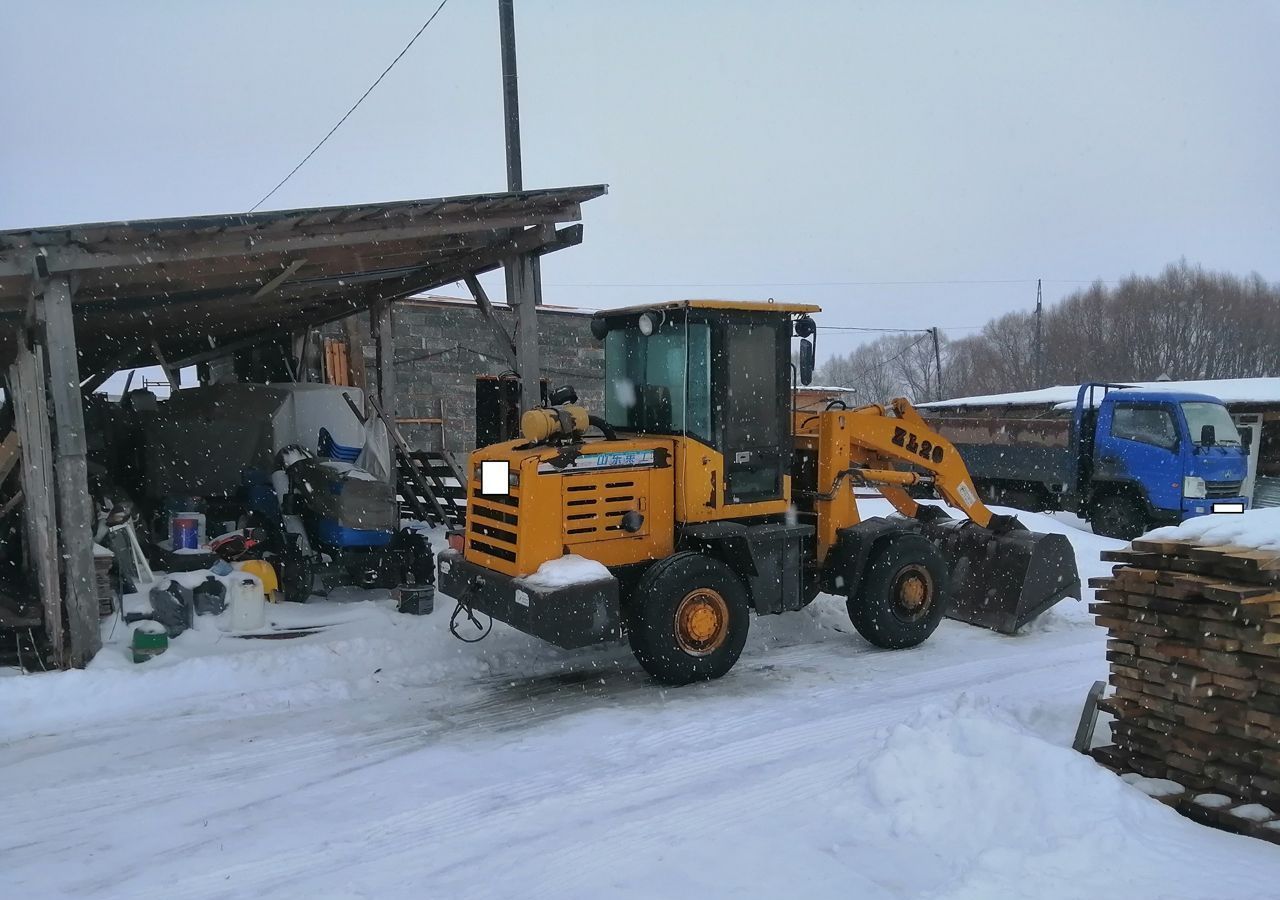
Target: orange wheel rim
pixel 702 622
pixel 913 592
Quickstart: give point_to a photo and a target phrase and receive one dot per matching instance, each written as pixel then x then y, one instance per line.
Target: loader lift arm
pixel 1002 575
pixel 862 446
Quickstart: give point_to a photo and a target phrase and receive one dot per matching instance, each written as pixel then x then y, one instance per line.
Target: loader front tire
pixel 688 619
pixel 904 593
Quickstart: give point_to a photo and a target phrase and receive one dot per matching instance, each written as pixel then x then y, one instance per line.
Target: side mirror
pixel 1208 436
pixel 806 361
pixel 1246 437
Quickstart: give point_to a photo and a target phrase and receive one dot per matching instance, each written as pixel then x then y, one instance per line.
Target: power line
pixel 880 365
pixel 766 284
pixel 353 108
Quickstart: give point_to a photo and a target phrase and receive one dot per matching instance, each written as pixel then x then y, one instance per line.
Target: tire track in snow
pixel 466 819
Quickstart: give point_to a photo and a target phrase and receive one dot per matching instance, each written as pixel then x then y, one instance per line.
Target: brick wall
pixel 443 344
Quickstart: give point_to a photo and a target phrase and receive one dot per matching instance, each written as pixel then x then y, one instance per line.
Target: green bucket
pixel 149 639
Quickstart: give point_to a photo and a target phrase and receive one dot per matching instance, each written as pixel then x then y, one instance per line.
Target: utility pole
pixel 524 275
pixel 937 362
pixel 1038 365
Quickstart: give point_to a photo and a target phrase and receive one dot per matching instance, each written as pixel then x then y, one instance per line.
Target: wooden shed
pixel 80 302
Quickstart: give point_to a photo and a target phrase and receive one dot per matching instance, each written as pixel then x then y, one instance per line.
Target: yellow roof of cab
pixel 737 305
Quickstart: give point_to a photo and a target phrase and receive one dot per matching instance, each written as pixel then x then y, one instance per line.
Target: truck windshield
pixel 1200 414
pixel 657 384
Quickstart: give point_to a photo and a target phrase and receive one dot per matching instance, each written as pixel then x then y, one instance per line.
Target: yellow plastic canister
pixel 266 574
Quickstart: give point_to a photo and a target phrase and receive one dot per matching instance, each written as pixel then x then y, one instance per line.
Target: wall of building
pixel 442 344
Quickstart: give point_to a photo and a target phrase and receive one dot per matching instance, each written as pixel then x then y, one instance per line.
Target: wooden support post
pixel 31 420
pixel 382 333
pixel 505 344
pixel 523 295
pixel 355 353
pixel 75 510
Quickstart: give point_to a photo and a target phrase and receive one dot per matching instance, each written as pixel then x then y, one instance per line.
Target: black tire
pixel 903 595
pixel 1118 516
pixel 688 619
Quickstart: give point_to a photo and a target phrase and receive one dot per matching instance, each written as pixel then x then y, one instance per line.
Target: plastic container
pixel 264 572
pixel 173 607
pixel 209 597
pixel 248 605
pixel 184 532
pixel 149 639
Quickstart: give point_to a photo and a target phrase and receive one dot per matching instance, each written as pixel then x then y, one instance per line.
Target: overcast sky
pixel 802 150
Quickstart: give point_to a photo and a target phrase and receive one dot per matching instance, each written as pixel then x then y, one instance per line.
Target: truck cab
pixel 1147 457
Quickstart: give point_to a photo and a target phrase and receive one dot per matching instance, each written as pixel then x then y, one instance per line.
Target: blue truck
pixel 1124 458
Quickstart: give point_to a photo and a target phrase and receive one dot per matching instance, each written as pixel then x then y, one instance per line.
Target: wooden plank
pixel 280 279
pixel 31 423
pixel 1164 548
pixel 75 511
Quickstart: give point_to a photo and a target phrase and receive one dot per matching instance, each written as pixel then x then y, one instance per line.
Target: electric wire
pixel 766 284
pixel 353 108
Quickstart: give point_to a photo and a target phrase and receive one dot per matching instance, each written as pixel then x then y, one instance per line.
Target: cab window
pixel 1145 424
pixel 659 383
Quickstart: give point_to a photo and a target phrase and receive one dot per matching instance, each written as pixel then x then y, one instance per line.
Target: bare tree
pixel 1185 324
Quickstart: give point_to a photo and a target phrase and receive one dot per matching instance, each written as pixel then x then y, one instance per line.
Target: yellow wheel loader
pixel 702 495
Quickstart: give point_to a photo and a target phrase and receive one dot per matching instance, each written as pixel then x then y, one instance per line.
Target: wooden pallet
pixel 1194 653
pixel 1216 810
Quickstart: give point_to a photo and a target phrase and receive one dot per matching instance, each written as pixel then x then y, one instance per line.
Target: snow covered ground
pixel 380 757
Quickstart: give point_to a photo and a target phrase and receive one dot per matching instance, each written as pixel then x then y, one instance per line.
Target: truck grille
pixel 1214 489
pixel 492 524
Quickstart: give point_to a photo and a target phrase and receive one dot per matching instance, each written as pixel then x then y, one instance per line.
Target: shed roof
pixel 767 306
pixel 196 285
pixel 1235 391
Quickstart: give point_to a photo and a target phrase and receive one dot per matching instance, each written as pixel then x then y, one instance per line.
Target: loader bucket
pixel 1003 577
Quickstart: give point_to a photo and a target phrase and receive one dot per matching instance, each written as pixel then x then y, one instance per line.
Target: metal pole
pixel 937 361
pixel 524 276
pixel 510 94
pixel 1039 359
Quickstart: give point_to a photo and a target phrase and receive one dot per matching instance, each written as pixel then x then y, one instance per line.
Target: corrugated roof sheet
pixel 199 283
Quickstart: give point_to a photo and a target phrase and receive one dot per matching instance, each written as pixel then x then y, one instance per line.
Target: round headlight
pixel 648 322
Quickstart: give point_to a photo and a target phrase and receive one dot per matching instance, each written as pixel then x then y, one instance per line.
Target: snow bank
pixel 1001 809
pixel 1255 528
pixel 567 570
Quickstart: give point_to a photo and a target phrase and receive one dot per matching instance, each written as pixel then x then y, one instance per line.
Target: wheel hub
pixel 702 622
pixel 913 592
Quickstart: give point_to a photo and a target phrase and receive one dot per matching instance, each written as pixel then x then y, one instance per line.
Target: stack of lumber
pixel 1194 651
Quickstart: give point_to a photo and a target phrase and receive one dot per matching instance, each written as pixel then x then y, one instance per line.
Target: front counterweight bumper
pixel 570 616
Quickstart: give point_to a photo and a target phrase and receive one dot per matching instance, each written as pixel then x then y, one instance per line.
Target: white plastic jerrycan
pixel 248 605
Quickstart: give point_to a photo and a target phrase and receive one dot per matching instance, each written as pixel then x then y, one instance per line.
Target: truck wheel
pixel 903 595
pixel 1118 516
pixel 689 619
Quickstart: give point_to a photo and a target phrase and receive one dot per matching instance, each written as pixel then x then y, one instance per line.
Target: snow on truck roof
pixel 1228 390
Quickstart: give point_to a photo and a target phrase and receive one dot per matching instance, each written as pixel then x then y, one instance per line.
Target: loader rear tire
pixel 689 619
pixel 904 593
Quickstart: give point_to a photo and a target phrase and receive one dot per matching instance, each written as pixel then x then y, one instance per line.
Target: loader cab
pixel 714 372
